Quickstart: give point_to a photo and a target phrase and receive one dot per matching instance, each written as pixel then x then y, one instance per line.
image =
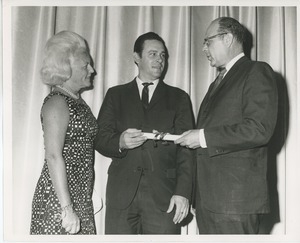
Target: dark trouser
pixel 141 217
pixel 216 223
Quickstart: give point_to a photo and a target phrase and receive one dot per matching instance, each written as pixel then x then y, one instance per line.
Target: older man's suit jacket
pixel 167 167
pixel 238 121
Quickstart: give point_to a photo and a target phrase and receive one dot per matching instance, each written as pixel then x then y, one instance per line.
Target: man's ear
pixel 136 58
pixel 228 39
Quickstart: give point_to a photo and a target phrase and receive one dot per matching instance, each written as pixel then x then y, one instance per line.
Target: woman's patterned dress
pixel 78 154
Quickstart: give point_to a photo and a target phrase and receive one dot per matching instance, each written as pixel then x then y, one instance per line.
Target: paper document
pixel 161 136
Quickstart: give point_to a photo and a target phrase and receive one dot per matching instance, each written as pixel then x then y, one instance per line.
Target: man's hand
pixel 189 139
pixel 182 208
pixel 131 138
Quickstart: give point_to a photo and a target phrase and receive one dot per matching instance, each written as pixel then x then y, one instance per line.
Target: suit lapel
pixel 228 76
pixel 209 98
pixel 133 97
pixel 159 93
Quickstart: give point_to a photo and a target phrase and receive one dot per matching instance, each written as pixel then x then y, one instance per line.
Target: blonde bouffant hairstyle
pixel 59 52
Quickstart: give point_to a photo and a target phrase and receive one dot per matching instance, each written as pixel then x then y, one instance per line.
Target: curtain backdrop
pixel 111 32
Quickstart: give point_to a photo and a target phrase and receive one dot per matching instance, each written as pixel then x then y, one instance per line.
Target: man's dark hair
pixel 231 25
pixel 140 41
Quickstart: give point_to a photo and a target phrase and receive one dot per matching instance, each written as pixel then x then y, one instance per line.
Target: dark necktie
pixel 145 94
pixel 218 80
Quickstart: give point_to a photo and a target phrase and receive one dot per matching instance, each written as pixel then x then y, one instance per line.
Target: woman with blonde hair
pixel 62 202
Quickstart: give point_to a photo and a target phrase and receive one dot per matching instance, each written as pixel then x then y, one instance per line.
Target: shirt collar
pixel 233 61
pixel 150 87
pixel 140 82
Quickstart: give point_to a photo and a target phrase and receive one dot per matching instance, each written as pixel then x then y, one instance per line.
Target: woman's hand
pixel 70 220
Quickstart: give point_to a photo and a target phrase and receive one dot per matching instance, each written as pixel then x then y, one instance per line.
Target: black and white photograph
pixel 150 121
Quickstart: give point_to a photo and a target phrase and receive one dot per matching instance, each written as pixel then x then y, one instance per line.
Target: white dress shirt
pixel 151 88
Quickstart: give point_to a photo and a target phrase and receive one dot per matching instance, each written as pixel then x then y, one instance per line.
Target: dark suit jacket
pixel 168 166
pixel 238 121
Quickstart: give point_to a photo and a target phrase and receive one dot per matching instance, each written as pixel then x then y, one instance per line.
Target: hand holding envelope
pixel 189 139
pixel 131 138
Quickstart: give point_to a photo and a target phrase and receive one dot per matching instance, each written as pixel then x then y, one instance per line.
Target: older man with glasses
pixel 236 120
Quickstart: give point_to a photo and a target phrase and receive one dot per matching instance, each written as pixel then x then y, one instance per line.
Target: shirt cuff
pixel 202 139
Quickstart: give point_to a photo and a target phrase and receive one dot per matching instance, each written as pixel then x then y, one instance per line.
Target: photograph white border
pixel 292 206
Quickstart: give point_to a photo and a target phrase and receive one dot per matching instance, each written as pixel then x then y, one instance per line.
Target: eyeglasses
pixel 207 40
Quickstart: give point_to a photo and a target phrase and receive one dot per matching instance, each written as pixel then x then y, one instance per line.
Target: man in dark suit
pixel 235 123
pixel 149 182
